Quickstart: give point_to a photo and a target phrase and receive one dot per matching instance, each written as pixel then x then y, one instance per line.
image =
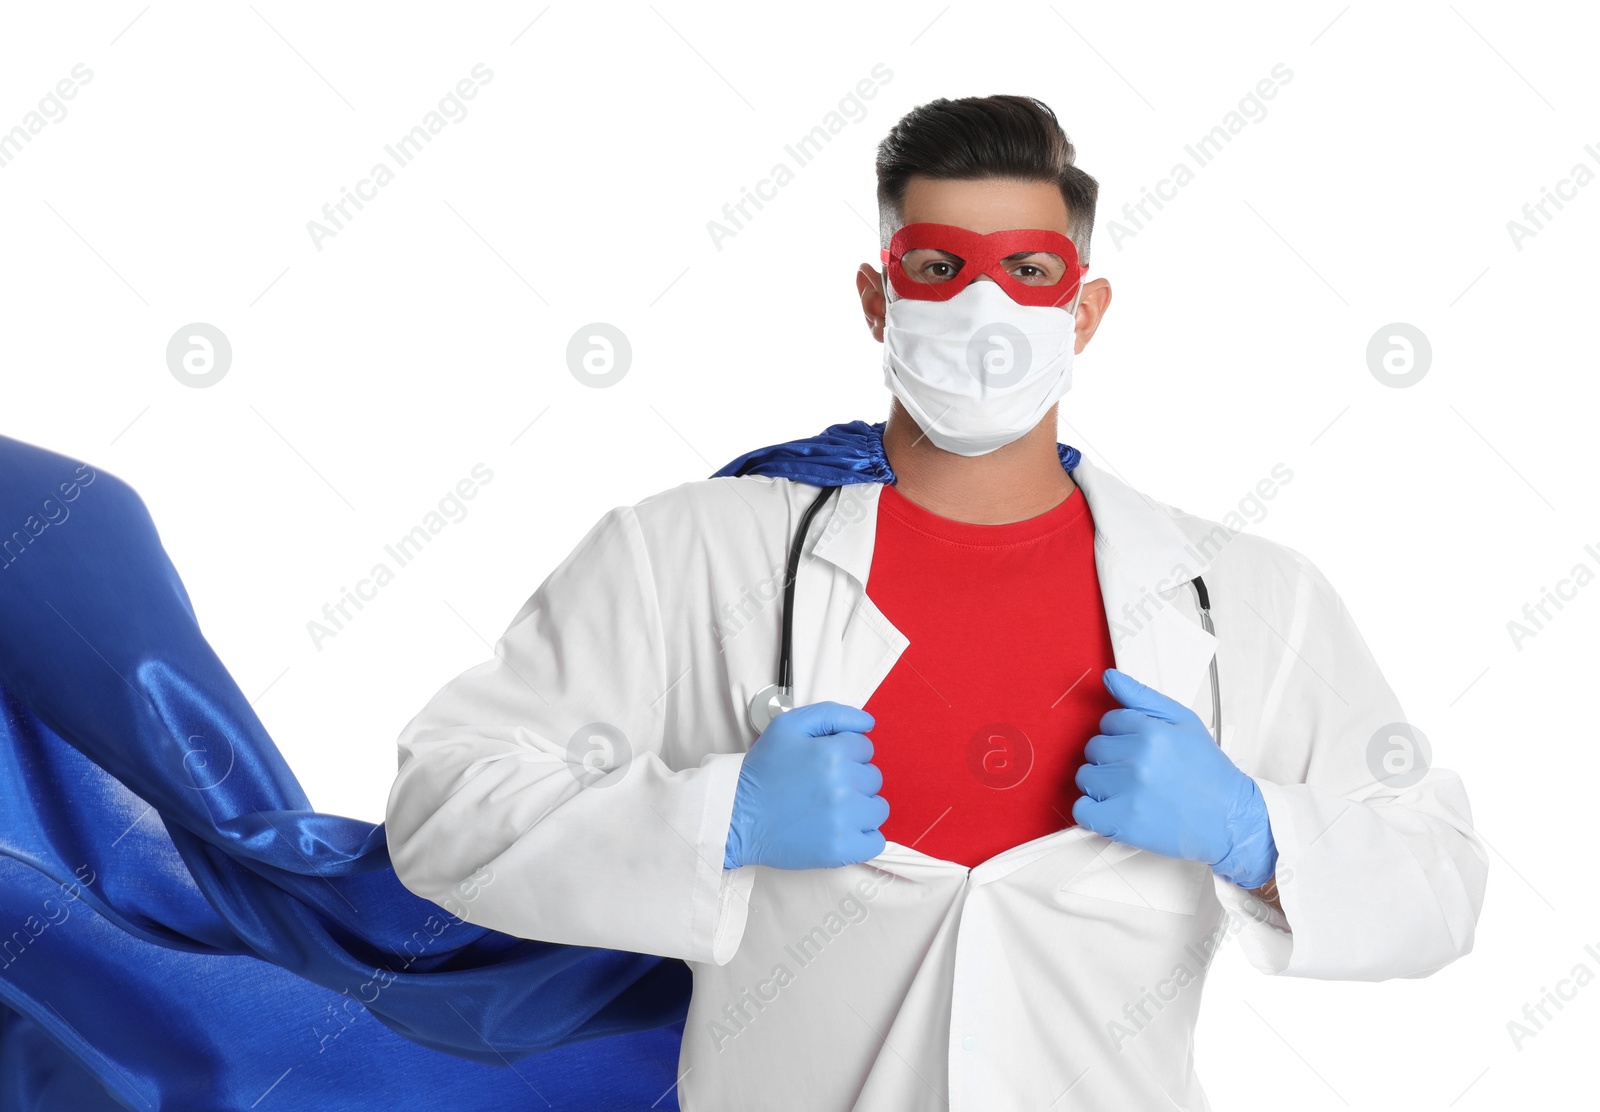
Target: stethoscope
pixel 776 698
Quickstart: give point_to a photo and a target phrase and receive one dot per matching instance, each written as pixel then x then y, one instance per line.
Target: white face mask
pixel 979 370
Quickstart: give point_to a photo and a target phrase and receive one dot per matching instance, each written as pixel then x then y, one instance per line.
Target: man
pixel 1008 895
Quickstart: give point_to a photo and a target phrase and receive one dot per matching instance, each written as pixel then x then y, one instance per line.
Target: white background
pixel 430 334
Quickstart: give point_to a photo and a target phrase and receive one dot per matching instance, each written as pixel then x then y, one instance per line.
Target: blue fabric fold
pixel 181 929
pixel 181 925
pixel 839 455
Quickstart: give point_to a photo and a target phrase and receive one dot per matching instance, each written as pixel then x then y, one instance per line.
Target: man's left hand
pixel 1154 778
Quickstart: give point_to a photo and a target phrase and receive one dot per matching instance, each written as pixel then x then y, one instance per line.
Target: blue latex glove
pixel 1154 778
pixel 807 795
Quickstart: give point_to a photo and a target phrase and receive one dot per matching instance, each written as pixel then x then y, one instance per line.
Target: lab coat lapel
pixel 1142 558
pixel 1144 562
pixel 848 641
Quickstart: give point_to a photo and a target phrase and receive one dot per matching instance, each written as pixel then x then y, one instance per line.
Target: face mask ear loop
pixel 1078 297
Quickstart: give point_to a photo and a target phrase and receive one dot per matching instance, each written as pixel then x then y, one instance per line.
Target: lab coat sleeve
pixel 1376 879
pixel 532 795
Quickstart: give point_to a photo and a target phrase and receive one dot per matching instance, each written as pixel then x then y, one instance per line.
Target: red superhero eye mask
pixel 934 262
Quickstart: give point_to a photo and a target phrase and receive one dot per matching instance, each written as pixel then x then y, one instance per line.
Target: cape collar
pixel 840 455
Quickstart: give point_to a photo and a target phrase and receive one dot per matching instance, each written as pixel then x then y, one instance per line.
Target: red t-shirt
pixel 981 723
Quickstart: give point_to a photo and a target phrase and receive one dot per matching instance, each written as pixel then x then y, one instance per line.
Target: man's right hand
pixel 808 793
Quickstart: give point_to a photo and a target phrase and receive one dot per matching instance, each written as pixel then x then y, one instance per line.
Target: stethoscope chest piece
pixel 771 701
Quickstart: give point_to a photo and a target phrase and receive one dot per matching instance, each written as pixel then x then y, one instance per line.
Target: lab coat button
pixel 970 1042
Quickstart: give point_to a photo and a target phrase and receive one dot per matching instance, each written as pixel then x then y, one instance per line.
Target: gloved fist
pixel 1154 778
pixel 807 795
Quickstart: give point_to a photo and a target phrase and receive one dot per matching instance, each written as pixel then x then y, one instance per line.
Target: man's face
pixel 984 205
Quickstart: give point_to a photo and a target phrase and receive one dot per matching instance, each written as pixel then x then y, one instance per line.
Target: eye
pixel 931 266
pixel 1040 268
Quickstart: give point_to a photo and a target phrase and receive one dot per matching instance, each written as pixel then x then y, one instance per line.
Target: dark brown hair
pixel 984 137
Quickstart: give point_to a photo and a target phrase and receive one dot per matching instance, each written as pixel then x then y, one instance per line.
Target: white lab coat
pixel 1064 973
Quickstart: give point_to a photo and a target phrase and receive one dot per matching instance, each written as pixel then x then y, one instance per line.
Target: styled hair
pixel 983 137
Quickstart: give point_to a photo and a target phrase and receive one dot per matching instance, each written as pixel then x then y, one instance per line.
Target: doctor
pixel 987 859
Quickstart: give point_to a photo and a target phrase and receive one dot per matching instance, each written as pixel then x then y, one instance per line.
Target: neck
pixel 1014 482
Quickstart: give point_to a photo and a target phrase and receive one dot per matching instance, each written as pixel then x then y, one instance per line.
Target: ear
pixel 1092 306
pixel 869 287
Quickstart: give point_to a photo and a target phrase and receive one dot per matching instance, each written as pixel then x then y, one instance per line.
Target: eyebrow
pixel 1014 257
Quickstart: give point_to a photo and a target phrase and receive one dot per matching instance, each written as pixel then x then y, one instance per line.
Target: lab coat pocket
pixel 1105 870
